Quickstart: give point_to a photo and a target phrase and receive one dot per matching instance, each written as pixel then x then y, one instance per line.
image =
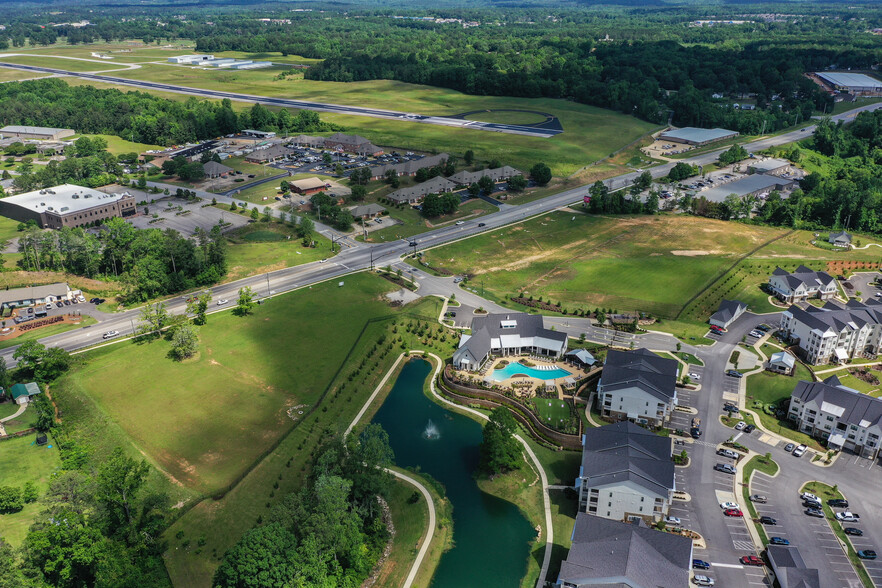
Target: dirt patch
pixel 693 252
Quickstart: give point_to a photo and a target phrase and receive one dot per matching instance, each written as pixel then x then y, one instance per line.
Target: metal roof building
pixel 696 136
pixel 29 132
pixel 756 184
pixel 853 82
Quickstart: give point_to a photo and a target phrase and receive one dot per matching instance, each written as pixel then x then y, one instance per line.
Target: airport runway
pixel 302 104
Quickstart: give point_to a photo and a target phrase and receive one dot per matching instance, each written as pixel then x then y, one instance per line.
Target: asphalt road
pixel 302 104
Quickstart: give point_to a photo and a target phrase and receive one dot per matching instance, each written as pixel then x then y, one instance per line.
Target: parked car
pixel 749 429
pixel 789 447
pixel 740 425
pixel 866 554
pixel 81 298
pixel 733 512
pixel 734 373
pixel 815 512
pixel 672 520
pixel 700 564
pixel 812 504
pixel 751 560
pixel 694 376
pixel 725 505
pixel 729 407
pixel 758 498
pixel 809 496
pixel 778 541
pixel 701 580
pixel 854 531
pixel 765 520
pixel 725 468
pixel 110 334
pixel 848 517
pixel 727 453
pixel 800 449
pixel 838 503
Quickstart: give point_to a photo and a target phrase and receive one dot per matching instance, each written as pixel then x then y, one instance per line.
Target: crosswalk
pixel 743 545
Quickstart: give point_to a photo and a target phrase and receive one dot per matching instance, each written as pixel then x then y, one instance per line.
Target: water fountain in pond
pixel 431 432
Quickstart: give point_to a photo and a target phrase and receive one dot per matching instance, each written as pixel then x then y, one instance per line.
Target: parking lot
pixel 813 536
pixel 874 567
pixel 186 218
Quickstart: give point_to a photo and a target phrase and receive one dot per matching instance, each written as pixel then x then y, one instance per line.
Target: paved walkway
pixel 18 413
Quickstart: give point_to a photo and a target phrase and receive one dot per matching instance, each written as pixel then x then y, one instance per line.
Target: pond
pixel 491 536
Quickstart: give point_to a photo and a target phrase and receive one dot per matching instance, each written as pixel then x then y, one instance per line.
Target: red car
pixel 751 560
pixel 733 512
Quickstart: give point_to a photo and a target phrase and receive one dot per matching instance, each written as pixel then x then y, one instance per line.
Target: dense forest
pixel 139 116
pixel 331 532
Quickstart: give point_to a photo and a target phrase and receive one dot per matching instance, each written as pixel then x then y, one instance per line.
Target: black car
pixel 767 520
pixel 749 429
pixel 853 531
pixel 734 373
pixel 700 564
pixel 838 503
pixel 482 224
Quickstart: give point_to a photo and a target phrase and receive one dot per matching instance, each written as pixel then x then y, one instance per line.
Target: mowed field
pixel 652 264
pixel 73 64
pixel 589 133
pixel 205 420
pixel 21 461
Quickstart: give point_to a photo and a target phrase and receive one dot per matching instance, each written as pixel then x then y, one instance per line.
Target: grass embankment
pixel 825 493
pixel 767 466
pixel 765 388
pixel 79 65
pixel 13 75
pixel 265 247
pixel 414 223
pixel 21 461
pixel 47 331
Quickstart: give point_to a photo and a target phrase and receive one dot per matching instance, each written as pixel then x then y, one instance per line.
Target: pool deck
pixel 530 384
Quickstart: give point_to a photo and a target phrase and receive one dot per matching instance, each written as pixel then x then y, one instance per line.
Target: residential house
pixel 413 194
pixel 790 569
pixel 308 186
pixel 834 332
pixel 367 211
pixel 727 313
pixel 409 168
pixel 507 334
pixel 214 169
pixel 844 417
pixel 22 393
pixel 612 554
pixel 782 363
pixel 498 174
pixel 639 386
pixel 840 239
pixel 352 144
pixel 33 295
pixel 802 283
pixel 626 472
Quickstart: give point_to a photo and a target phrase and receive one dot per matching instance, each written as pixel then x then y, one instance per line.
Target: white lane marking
pixel 725 565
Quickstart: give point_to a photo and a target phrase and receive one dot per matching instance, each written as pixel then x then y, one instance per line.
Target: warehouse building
pixel 770 166
pixel 250 65
pixel 755 185
pixel 853 83
pixel 696 136
pixel 67 206
pixel 190 59
pixel 41 133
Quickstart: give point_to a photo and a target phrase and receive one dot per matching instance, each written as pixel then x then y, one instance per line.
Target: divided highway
pixel 302 104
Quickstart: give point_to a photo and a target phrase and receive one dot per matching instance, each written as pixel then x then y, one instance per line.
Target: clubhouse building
pixel 507 334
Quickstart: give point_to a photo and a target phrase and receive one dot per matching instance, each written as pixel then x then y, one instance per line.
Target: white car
pixel 81 298
pixel 222 301
pixel 694 376
pixel 809 496
pixel 740 425
pixel 701 580
pixel 728 505
pixel 799 451
pixel 460 223
pixel 672 520
pixel 110 335
pixel 848 517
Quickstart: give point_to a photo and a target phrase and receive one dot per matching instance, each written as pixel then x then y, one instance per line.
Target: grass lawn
pixel 553 412
pixel 264 247
pixel 235 394
pixel 563 518
pixel 688 358
pixel 27 420
pixel 8 229
pixel 270 190
pixel 11 75
pixel 415 223
pixel 854 382
pixel 825 493
pixel 22 460
pixel 66 64
pixel 507 117
pixel 117 145
pixel 766 388
pixel 589 133
pixel 411 520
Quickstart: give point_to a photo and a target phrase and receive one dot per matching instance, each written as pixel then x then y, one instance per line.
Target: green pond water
pixel 491 536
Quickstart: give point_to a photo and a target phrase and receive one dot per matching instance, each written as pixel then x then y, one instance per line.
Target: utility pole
pixel 267 284
pixel 372 258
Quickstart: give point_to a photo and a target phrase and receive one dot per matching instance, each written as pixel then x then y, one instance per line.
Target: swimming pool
pixel 518 369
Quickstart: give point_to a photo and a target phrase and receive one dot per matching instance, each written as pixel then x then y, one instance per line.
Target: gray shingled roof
pixel 410 167
pixel 372 208
pixel 213 168
pixel 624 451
pixel 728 310
pixel 858 409
pixel 436 185
pixel 833 316
pixel 641 368
pixel 465 178
pixel 804 275
pixel 792 571
pixel 606 552
pixel 485 328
